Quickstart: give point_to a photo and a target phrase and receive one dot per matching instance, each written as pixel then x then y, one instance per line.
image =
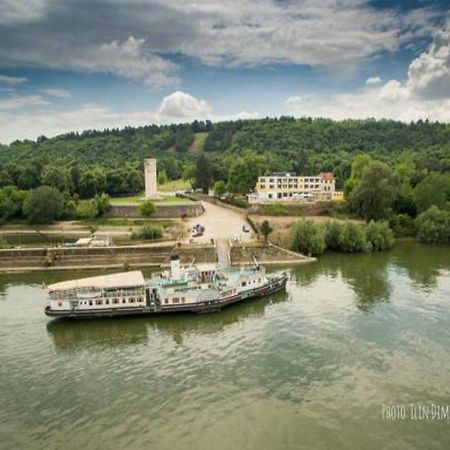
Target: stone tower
pixel 150 178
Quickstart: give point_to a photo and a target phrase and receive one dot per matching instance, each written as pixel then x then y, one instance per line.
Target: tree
pixel 380 235
pixel 11 202
pixel 203 174
pixel 353 239
pixel 102 204
pixel 184 138
pixel 147 208
pixel 333 231
pixel 244 172
pixel 432 190
pixel 265 229
pixel 219 188
pixel 373 196
pixel 433 226
pixel 43 205
pixel 308 237
pixel 162 177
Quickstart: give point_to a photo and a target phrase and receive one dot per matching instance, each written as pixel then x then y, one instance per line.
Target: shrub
pixel 150 232
pixel 43 205
pixel 277 209
pixel 402 225
pixel 308 237
pixel 353 239
pixel 252 225
pixel 380 235
pixel 101 204
pixel 333 231
pixel 433 226
pixel 147 208
pixel 86 210
pixel 266 229
pixel 219 188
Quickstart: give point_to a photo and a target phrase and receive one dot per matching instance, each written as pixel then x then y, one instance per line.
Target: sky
pixel 70 65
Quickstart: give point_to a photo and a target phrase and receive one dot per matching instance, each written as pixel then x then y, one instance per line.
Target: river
pixel 315 367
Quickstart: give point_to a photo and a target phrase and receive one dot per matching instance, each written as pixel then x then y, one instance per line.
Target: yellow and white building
pixel 281 187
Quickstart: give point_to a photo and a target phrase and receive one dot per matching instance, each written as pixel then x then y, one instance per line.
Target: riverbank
pixel 140 256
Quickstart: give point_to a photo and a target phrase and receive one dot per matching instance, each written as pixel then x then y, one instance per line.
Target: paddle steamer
pixel 197 288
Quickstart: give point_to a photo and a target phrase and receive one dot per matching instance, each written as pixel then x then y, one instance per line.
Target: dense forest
pixel 387 169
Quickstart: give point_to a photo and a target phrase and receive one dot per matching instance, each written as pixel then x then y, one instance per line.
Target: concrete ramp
pixel 223 253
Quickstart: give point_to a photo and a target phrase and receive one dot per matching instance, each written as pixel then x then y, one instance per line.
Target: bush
pixel 433 226
pixel 402 225
pixel 101 204
pixel 380 235
pixel 277 209
pixel 333 231
pixel 86 210
pixel 150 232
pixel 43 205
pixel 353 239
pixel 219 188
pixel 147 208
pixel 308 237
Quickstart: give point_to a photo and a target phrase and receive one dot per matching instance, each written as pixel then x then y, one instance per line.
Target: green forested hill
pixel 111 160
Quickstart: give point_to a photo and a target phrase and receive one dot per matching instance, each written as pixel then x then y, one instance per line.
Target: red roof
pixel 326 175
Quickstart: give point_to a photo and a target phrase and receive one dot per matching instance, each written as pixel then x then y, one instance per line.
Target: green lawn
pixel 197 145
pixel 174 185
pixel 125 200
pixel 111 222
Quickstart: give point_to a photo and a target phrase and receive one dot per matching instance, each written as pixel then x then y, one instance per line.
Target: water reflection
pixel 423 263
pixel 366 274
pixel 100 334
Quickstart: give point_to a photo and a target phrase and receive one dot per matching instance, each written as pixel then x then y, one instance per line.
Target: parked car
pixel 199 227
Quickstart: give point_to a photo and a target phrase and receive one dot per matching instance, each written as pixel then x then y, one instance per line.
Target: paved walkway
pixel 220 223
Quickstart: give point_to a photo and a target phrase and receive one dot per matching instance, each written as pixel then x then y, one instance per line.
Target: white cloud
pixel 180 105
pixel 424 95
pixel 429 74
pixel 128 59
pixel 99 35
pixel 177 107
pixel 57 92
pixel 19 102
pixel 373 81
pixel 12 81
pixel 21 11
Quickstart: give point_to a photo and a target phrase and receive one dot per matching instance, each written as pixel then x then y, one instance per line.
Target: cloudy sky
pixel 78 64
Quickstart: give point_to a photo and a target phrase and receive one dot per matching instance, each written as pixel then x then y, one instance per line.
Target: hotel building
pixel 280 187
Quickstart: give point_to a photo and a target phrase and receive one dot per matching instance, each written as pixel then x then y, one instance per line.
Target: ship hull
pixel 274 286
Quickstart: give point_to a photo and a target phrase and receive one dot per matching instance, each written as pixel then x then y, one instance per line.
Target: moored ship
pixel 197 288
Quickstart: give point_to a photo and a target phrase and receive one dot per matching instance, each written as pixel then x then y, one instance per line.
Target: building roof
pixel 116 280
pixel 326 175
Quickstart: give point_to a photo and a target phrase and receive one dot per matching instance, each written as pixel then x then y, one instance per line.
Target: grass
pixel 104 221
pixel 197 145
pixel 174 185
pixel 125 200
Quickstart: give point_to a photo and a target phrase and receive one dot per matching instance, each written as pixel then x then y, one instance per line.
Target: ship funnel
pixel 175 269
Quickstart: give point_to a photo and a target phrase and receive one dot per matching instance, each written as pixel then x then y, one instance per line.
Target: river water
pixel 315 367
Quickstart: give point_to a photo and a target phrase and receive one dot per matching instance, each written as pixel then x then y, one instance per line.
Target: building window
pixel 116 300
pixel 90 302
pixel 98 302
pixel 124 300
pixel 166 300
pixel 59 304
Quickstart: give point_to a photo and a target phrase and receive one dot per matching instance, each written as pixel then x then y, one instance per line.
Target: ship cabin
pixel 114 291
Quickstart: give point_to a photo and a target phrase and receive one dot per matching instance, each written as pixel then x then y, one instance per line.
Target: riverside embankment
pixel 155 255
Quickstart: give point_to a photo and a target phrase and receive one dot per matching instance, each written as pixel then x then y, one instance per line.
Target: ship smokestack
pixel 175 269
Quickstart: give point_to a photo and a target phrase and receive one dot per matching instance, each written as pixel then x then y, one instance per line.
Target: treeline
pixel 306 146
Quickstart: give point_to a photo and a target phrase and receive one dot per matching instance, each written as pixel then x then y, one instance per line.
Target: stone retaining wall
pixel 138 256
pixel 266 254
pixel 162 211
